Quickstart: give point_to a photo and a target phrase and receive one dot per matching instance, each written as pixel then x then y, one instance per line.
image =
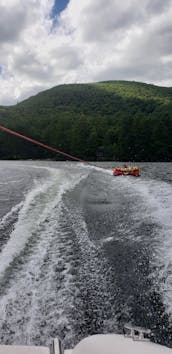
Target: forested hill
pixel 115 120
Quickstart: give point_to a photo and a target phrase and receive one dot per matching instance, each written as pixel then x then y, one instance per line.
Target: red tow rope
pixel 41 144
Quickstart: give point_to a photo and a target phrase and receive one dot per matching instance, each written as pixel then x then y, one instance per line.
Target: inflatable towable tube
pixel 126 171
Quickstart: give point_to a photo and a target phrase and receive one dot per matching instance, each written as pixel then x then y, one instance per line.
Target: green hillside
pixel 114 120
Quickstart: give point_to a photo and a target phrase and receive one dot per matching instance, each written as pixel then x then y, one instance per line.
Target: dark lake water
pixel 83 252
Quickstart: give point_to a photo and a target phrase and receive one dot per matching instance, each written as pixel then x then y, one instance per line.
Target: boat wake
pixel 30 256
pixel 78 258
pixel 50 271
pixel 153 207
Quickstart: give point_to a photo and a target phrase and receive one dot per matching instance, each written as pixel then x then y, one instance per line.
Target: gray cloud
pixel 93 41
pixel 67 57
pixel 103 19
pixel 150 73
pixel 12 21
pixel 157 6
pixel 27 64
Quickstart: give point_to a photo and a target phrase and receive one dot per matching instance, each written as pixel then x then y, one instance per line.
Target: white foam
pixel 38 203
pixel 103 170
pixel 6 219
pixel 107 239
pixel 12 181
pixel 153 204
pixel 33 295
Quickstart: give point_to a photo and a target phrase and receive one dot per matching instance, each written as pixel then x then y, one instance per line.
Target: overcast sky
pixel 44 43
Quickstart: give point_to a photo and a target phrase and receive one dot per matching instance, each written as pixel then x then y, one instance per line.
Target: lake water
pixel 83 252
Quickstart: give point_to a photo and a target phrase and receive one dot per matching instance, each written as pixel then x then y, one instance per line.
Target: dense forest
pixel 114 120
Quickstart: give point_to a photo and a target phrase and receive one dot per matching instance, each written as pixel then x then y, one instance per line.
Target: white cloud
pixel 93 40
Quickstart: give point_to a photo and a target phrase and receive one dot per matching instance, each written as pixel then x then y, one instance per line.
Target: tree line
pixel 120 121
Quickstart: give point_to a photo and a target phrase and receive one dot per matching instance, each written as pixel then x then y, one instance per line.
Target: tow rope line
pixel 24 137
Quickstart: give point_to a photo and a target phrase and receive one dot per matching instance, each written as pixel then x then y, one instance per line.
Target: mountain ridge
pixel 108 120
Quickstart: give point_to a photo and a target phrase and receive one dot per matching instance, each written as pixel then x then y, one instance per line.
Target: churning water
pixel 83 252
